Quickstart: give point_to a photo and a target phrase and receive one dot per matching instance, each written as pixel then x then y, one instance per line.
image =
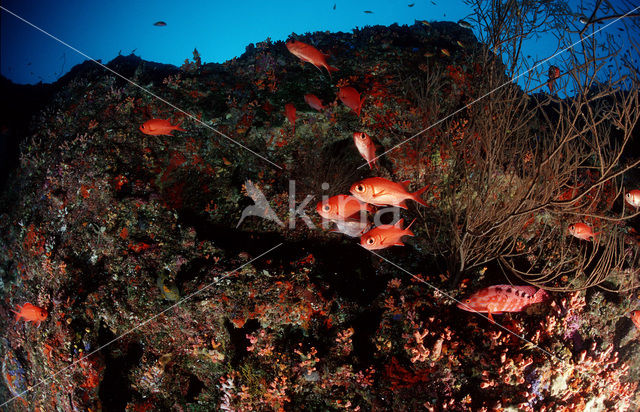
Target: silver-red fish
pixel 310 54
pixel 381 192
pixel 366 147
pixel 342 207
pixel 384 236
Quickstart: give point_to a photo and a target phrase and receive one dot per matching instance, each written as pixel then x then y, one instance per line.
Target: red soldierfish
pixel 30 313
pixel 582 231
pixel 381 192
pixel 157 127
pixel 310 54
pixel 342 207
pixel 351 98
pixel 313 101
pixel 554 73
pixel 384 236
pixel 633 198
pixel 290 112
pixel 366 147
pixel 502 298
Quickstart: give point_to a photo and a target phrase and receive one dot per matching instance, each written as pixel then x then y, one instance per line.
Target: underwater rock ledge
pixel 104 227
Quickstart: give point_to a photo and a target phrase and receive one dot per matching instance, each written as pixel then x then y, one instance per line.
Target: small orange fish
pixel 310 54
pixel 30 313
pixel 445 52
pixel 582 231
pixel 384 236
pixel 366 147
pixel 156 127
pixel 290 112
pixel 342 207
pixel 635 318
pixel 351 98
pixel 633 198
pixel 502 298
pixel 554 73
pixel 313 101
pixel 381 192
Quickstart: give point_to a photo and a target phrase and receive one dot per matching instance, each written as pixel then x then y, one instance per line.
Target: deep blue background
pixel 220 30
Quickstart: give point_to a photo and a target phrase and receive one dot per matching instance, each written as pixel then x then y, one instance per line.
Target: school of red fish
pixel 349 213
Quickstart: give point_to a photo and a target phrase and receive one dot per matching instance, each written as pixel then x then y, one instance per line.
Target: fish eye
pixel 467 301
pixel 370 241
pixel 363 136
pixel 326 208
pixel 628 195
pixel 359 188
pixel 571 227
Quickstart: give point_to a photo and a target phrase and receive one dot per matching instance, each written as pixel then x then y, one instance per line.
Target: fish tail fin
pixel 416 195
pixel 330 69
pixel 177 126
pixel 408 231
pixel 595 237
pixel 540 296
pixel 17 313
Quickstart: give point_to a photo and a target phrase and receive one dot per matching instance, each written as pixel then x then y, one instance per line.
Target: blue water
pixel 219 30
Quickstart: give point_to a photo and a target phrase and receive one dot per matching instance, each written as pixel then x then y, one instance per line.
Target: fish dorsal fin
pixel 406 184
pixel 528 291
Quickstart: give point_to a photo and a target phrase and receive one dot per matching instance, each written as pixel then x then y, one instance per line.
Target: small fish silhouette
pixel 368 12
pixel 160 24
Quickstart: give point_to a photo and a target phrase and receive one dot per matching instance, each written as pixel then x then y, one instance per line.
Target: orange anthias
pixel 582 231
pixel 366 147
pixel 290 112
pixel 310 54
pixel 381 192
pixel 313 101
pixel 383 236
pixel 633 198
pixel 342 207
pixel 156 127
pixel 30 313
pixel 351 98
pixel 502 298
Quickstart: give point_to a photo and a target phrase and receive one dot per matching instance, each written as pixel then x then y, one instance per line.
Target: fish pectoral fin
pixel 398 243
pixel 490 311
pixel 380 193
